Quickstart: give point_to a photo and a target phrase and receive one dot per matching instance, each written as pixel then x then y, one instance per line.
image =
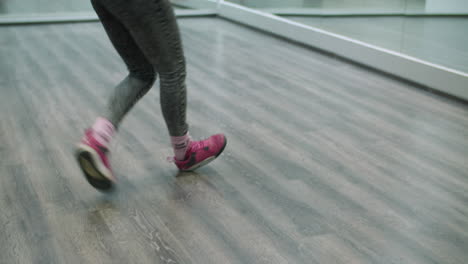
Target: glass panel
pixel 447 6
pixel 324 5
pixel 194 4
pixel 389 24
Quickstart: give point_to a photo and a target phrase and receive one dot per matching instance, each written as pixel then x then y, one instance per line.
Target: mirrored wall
pixel 431 30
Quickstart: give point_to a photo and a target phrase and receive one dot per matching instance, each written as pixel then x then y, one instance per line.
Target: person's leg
pixel 93 150
pixel 141 75
pixel 154 28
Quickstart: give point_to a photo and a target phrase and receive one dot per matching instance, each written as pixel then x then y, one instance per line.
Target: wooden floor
pixel 326 162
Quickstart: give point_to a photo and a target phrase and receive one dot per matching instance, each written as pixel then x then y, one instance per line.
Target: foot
pixel 93 159
pixel 200 153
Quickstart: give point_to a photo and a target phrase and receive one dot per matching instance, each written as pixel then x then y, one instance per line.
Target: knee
pixel 148 76
pixel 172 68
pixel 174 75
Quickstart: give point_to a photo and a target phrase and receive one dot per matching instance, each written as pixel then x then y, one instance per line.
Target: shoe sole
pixel 206 161
pixel 95 171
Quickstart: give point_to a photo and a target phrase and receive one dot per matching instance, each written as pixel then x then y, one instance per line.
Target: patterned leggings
pixel 146 35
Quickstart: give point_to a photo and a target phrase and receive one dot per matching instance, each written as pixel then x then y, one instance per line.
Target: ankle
pixel 103 131
pixel 180 145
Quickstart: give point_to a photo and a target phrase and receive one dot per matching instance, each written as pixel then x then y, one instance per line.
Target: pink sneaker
pixel 93 160
pixel 200 153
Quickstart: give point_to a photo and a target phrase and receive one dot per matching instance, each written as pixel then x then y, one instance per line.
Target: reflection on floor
pixel 439 40
pixel 326 162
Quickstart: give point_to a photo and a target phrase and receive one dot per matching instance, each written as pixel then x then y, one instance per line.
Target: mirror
pixel 430 30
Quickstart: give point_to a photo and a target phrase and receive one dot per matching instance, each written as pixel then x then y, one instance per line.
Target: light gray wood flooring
pixel 326 162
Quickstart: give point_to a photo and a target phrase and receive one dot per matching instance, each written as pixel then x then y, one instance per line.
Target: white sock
pixel 180 145
pixel 103 131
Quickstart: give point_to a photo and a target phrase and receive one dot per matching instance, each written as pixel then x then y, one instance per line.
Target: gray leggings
pixel 146 35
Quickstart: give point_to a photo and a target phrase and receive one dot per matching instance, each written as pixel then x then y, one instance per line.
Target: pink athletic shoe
pixel 200 153
pixel 93 160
